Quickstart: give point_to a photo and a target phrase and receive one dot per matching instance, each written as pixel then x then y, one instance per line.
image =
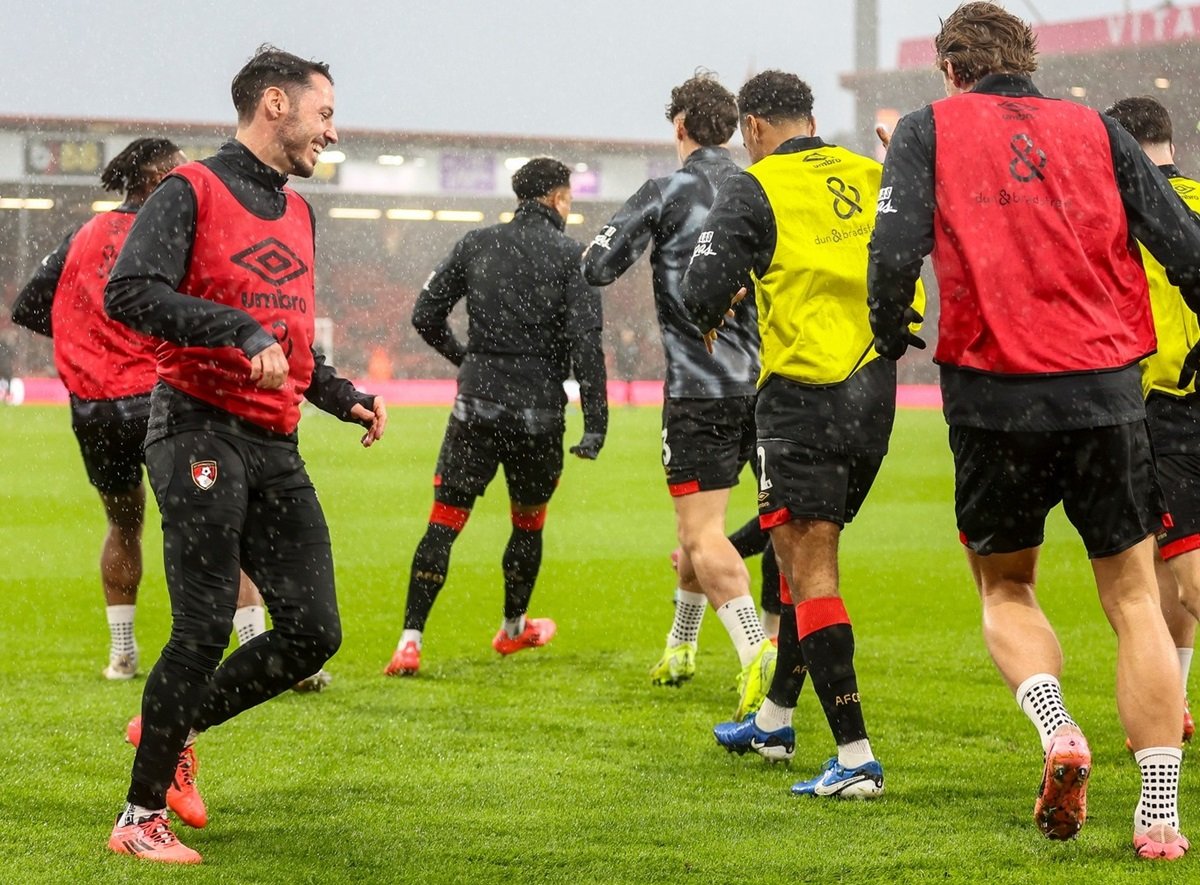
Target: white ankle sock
pixel 855 753
pixel 1185 664
pixel 740 618
pixel 120 630
pixel 689 612
pixel 772 717
pixel 1040 696
pixel 191 738
pixel 410 636
pixel 1160 788
pixel 136 814
pixel 513 627
pixel 249 621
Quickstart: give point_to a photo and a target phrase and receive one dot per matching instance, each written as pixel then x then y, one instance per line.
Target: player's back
pixel 523 292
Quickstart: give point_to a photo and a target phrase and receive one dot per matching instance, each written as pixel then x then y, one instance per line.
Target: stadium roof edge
pixel 107 125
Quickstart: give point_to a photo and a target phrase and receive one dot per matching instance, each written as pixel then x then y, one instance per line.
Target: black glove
pixel 892 335
pixel 1191 364
pixel 589 447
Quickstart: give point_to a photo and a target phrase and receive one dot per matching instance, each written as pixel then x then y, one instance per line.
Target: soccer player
pixel 708 405
pixel 797 222
pixel 108 370
pixel 1028 205
pixel 531 321
pixel 219 265
pixel 1172 407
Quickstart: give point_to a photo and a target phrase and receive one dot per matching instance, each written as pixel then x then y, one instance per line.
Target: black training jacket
pixel 669 212
pixel 532 320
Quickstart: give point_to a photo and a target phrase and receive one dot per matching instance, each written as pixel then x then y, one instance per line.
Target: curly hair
pixel 271 67
pixel 130 170
pixel 776 95
pixel 1144 118
pixel 983 38
pixel 538 177
pixel 709 109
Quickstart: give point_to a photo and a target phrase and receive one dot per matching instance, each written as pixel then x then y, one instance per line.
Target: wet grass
pixel 562 765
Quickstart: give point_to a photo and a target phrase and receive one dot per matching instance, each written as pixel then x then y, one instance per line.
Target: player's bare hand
pixel 269 368
pixel 710 338
pixel 885 137
pixel 374 419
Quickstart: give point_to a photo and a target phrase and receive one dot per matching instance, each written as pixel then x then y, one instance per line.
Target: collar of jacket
pixel 1006 84
pixel 242 160
pixel 533 208
pixel 1171 171
pixel 800 143
pixel 705 153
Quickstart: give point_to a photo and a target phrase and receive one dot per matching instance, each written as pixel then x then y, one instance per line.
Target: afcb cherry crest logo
pixel 204 474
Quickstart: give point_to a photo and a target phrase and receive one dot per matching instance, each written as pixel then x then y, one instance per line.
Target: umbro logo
pixel 271 260
pixel 1016 110
pixel 1183 188
pixel 819 159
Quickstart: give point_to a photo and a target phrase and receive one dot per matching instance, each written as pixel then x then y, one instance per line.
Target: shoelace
pixel 157 832
pixel 188 766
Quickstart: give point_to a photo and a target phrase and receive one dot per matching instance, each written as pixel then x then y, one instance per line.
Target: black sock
pixel 749 540
pixel 522 560
pixel 789 665
pixel 430 564
pixel 770 583
pixel 829 654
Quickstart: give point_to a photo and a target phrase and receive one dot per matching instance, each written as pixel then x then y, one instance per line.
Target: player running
pixel 708 405
pixel 1028 205
pixel 531 322
pixel 797 222
pixel 108 370
pixel 1172 406
pixel 219 265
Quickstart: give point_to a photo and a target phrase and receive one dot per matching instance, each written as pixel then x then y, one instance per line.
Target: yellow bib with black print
pixel 1175 325
pixel 812 300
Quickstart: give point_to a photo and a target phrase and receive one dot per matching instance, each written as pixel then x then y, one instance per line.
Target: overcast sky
pixel 588 68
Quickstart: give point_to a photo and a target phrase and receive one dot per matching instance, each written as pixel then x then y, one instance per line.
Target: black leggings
pixel 230 503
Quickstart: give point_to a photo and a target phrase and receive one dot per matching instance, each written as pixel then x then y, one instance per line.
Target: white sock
pixel 855 753
pixel 689 612
pixel 249 621
pixel 514 627
pixel 1185 664
pixel 120 630
pixel 136 813
pixel 1040 696
pixel 740 618
pixel 191 738
pixel 772 717
pixel 770 623
pixel 410 636
pixel 1160 788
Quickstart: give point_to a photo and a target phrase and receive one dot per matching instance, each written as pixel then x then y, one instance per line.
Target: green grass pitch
pixel 564 764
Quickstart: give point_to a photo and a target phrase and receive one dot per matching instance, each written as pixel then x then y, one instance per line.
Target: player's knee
pixel 528 519
pixel 448 516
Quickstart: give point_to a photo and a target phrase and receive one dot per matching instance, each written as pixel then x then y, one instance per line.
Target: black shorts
pixel 1174 424
pixel 472 451
pixel 706 442
pixel 1005 483
pixel 111 433
pixel 820 448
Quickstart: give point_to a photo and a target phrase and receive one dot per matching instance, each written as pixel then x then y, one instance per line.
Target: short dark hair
pixel 538 177
pixel 709 109
pixel 1144 117
pixel 271 67
pixel 129 170
pixel 983 38
pixel 775 95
